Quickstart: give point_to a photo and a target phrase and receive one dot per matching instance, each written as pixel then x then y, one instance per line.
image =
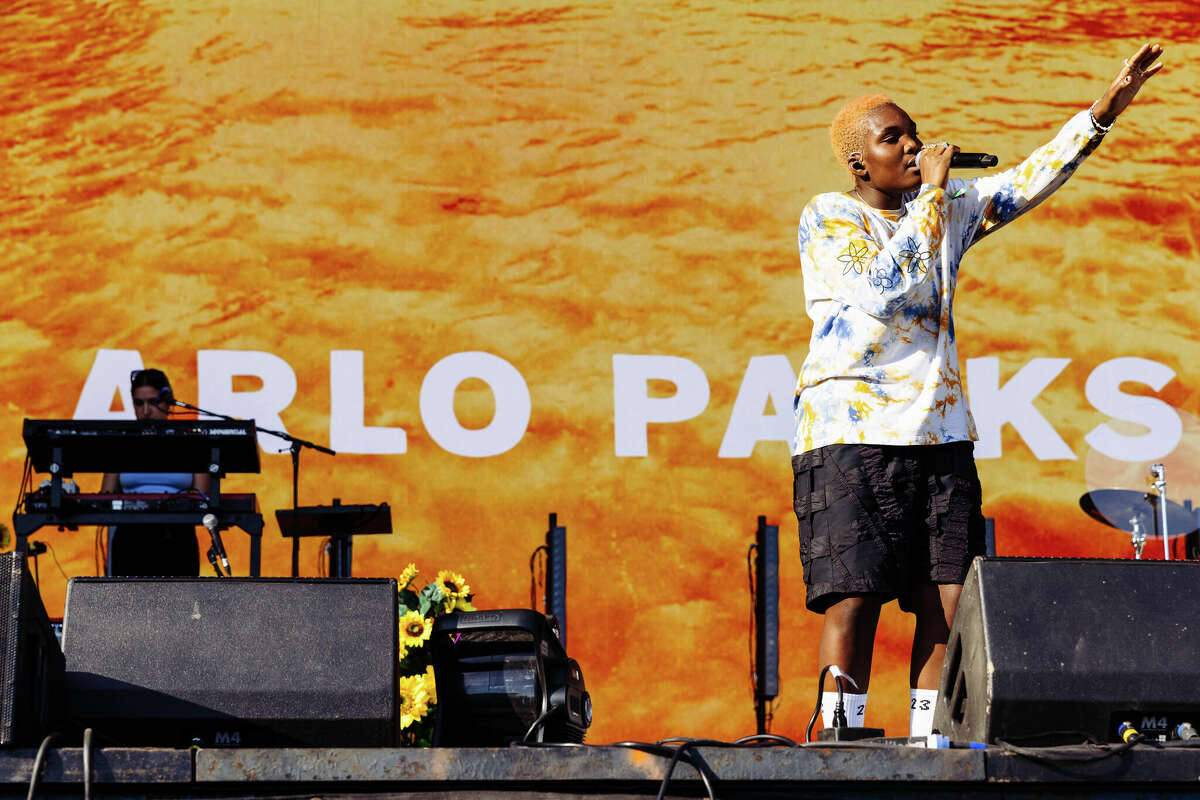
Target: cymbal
pixel 1120 507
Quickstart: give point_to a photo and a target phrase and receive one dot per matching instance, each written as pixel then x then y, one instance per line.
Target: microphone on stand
pixel 968 160
pixel 166 398
pixel 217 550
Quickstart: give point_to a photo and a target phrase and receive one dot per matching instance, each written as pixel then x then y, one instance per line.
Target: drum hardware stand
pixel 1137 536
pixel 1143 513
pixel 1159 473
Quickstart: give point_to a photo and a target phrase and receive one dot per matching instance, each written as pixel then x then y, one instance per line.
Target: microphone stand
pixel 296 445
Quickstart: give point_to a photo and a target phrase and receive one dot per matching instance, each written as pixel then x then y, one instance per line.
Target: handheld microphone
pixel 218 549
pixel 968 160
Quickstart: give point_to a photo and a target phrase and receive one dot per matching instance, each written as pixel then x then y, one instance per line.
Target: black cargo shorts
pixel 885 518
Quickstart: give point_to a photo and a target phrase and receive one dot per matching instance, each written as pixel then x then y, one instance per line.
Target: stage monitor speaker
pixel 32 670
pixel 233 661
pixel 1048 651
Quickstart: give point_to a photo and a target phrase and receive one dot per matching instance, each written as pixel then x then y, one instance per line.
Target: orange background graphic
pixel 556 184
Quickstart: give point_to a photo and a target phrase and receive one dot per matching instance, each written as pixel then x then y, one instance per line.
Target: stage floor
pixel 524 773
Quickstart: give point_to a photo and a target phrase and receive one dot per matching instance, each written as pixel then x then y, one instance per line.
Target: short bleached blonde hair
pixel 848 131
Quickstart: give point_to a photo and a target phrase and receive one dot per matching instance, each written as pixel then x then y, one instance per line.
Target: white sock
pixel 855 707
pixel 921 703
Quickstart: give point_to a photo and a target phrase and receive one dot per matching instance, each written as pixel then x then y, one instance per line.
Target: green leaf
pixel 415 661
pixel 431 596
pixel 408 599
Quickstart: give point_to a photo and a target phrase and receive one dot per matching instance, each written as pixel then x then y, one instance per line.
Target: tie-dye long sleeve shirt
pixel 882 365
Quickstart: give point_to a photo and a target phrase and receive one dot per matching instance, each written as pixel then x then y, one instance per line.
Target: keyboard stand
pixel 250 522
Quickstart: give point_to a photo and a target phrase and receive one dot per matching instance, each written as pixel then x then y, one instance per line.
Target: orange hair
pixel 848 131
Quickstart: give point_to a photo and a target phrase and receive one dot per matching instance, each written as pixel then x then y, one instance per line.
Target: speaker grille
pixel 32 667
pixel 11 566
pixel 1066 648
pixel 237 661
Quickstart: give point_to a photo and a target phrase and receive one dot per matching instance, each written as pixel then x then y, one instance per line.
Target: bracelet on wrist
pixel 1096 124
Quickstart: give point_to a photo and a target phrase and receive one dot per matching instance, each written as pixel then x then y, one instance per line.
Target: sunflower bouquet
pixel 418 608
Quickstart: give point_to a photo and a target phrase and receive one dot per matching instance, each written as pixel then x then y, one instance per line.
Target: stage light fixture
pixel 503 677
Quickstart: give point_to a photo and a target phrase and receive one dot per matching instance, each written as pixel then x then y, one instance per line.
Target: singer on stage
pixel 885 487
pixel 153 550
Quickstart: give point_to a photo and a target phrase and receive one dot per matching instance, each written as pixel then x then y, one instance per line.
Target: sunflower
pixel 414 700
pixel 453 584
pixel 430 685
pixel 406 577
pixel 414 629
pixel 462 604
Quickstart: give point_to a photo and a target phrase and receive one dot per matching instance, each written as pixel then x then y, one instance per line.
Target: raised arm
pixel 1003 197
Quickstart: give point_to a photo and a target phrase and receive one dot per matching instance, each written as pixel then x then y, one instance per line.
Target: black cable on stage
pixel 646 747
pixel 750 632
pixel 533 582
pixel 1050 755
pixel 839 714
pixel 666 781
pixel 54 556
pixel 817 708
pixel 38 762
pixel 688 747
pixel 87 764
pixel 674 754
pixel 26 482
pixel 540 722
pixel 765 740
pixel 685 751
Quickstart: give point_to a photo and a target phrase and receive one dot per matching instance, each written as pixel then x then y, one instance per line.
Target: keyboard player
pixel 143 549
